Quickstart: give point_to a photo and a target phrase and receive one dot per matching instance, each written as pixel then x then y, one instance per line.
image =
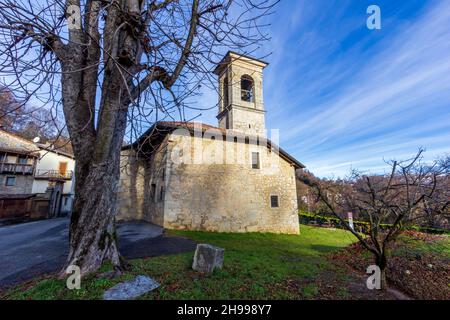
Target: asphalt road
pixel 32 249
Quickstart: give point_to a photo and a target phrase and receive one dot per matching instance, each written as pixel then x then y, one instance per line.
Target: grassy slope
pixel 256 266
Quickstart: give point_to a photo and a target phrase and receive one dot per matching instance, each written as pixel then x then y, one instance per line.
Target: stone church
pixel 230 178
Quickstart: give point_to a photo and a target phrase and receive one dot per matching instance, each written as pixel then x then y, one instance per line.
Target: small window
pixel 10 181
pixel 163 176
pixel 22 159
pixel 255 160
pixel 2 156
pixel 161 194
pixel 247 88
pixel 66 201
pixel 153 192
pixel 274 201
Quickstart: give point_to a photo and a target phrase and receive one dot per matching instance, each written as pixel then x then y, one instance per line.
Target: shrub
pixel 360 226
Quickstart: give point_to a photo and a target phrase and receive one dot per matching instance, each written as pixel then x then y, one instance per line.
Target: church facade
pixel 230 178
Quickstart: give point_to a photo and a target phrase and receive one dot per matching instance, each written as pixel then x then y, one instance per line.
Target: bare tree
pixel 10 109
pixel 28 121
pixel 389 203
pixel 436 209
pixel 114 66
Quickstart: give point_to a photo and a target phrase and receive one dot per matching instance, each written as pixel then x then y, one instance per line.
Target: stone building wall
pixel 248 122
pixel 231 197
pixel 23 184
pixel 141 180
pixel 204 191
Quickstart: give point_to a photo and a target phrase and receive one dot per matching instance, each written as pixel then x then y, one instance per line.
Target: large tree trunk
pixel 97 148
pixel 92 229
pixel 92 233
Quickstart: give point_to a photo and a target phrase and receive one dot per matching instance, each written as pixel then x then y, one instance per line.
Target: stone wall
pixel 248 121
pixel 232 197
pixel 23 184
pixel 140 186
pixel 204 191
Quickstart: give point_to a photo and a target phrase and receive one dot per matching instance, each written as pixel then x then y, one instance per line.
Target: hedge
pixel 360 226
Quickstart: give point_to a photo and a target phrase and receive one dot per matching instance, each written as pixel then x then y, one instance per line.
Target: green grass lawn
pixel 410 246
pixel 256 266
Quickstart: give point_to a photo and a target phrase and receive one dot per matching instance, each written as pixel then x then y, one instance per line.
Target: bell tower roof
pixel 232 56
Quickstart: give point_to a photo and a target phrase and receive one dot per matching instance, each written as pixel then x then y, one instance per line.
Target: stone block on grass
pixel 207 258
pixel 131 289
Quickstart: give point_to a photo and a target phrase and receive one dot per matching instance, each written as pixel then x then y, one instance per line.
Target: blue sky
pixel 344 96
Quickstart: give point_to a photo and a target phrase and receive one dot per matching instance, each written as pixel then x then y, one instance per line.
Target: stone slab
pixel 131 289
pixel 207 257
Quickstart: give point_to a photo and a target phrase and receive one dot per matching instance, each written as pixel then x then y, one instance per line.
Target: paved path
pixel 31 249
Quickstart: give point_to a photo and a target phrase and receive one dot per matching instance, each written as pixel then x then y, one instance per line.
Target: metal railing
pixel 53 174
pixel 16 168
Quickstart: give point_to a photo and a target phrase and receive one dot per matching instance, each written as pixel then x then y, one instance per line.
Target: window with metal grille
pixel 274 201
pixel 255 160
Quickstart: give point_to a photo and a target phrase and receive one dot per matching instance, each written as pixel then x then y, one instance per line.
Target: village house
pixel 36 180
pixel 230 178
pixel 55 169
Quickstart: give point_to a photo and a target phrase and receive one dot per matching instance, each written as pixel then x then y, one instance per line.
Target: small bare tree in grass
pixel 389 203
pixel 113 67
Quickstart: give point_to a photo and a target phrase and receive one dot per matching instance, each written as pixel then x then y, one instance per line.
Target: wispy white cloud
pixel 353 106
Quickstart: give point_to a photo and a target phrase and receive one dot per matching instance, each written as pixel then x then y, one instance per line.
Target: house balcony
pixel 53 175
pixel 16 168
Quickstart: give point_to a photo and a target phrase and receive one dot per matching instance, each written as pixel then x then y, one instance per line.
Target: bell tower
pixel 241 106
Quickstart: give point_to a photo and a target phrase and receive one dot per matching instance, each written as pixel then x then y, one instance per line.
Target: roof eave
pixel 171 127
pixel 218 69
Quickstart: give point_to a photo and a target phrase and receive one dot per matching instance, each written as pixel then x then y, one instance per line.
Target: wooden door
pixel 63 168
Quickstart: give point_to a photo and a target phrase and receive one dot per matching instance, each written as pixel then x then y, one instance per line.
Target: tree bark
pixel 381 262
pixel 97 148
pixel 92 231
pixel 93 237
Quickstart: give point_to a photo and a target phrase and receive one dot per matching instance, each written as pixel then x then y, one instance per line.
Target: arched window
pixel 247 88
pixel 225 93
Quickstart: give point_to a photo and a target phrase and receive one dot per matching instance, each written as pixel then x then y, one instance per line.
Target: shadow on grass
pixel 324 248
